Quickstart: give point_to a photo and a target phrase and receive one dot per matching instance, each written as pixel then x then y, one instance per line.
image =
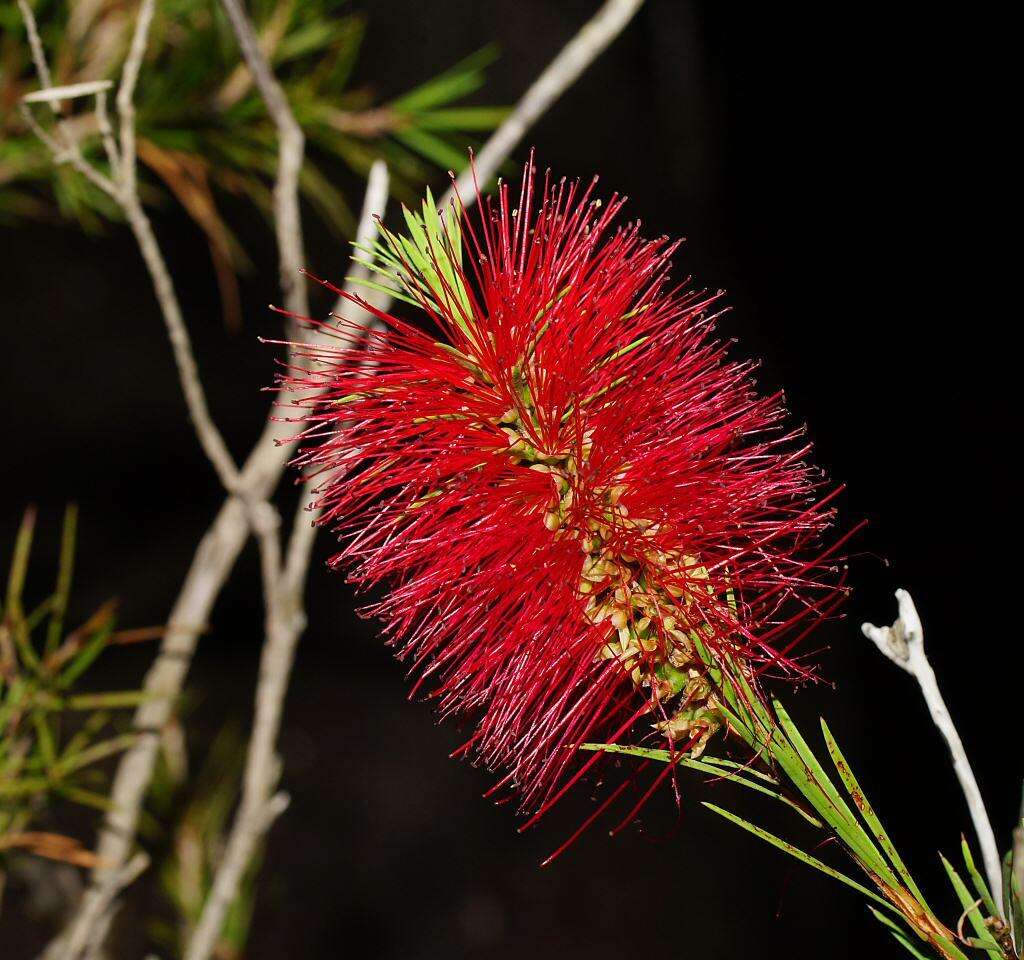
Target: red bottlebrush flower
pixel 578 502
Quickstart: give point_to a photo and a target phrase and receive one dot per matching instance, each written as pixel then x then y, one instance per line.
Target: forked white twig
pixel 283 587
pixel 124 191
pixel 903 644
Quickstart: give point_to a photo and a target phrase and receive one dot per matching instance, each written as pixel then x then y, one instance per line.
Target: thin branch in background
pixel 210 437
pixel 107 133
pixel 219 549
pixel 591 41
pixel 260 806
pixel 124 191
pixel 123 877
pixel 36 46
pixel 62 148
pixel 291 146
pixel 125 100
pixel 283 588
pixel 903 644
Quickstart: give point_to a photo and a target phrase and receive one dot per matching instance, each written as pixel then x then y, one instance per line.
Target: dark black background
pixel 847 174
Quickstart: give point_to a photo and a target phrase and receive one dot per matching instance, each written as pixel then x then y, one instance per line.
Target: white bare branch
pixel 49 94
pixel 903 644
pixel 35 45
pixel 291 146
pixel 107 133
pixel 125 100
pixel 124 191
pixel 250 827
pixel 283 588
pixel 68 152
pixel 86 940
pixel 582 50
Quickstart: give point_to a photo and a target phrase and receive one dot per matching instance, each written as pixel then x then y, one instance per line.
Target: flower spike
pixel 581 506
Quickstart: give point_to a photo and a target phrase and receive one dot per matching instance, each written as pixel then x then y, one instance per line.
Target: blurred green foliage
pixel 52 738
pixel 203 131
pixel 198 810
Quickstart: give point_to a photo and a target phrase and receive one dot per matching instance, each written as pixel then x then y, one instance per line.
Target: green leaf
pixel 977 880
pixel 814 783
pixel 37 616
pixel 107 701
pixel 862 803
pixel 65 571
pixel 424 265
pixel 463 78
pixel 16 788
pixel 1013 896
pixel 19 563
pixel 900 935
pixel 44 737
pixel 431 147
pixel 308 38
pixel 970 906
pixel 92 725
pixel 13 614
pixel 84 658
pixel 800 855
pixel 93 754
pixel 722 769
pixel 87 798
pixel 462 118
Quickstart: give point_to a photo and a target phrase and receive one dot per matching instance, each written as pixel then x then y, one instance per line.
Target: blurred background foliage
pixel 54 739
pixel 57 743
pixel 194 812
pixel 203 133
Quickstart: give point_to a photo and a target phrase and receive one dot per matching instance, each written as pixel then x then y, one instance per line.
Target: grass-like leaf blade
pixel 862 803
pixel 973 914
pixel 799 854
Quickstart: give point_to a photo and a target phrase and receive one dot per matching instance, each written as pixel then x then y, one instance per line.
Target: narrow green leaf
pixel 17 788
pixel 431 147
pixel 899 934
pixel 84 658
pixel 95 753
pixel 13 614
pixel 862 803
pixel 1013 896
pixel 107 701
pixel 814 783
pixel 44 738
pixel 87 798
pixel 722 769
pixel 65 571
pixel 19 563
pixel 462 118
pixel 92 725
pixel 37 616
pixel 398 294
pixel 800 855
pixel 977 880
pixel 970 906
pixel 457 81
